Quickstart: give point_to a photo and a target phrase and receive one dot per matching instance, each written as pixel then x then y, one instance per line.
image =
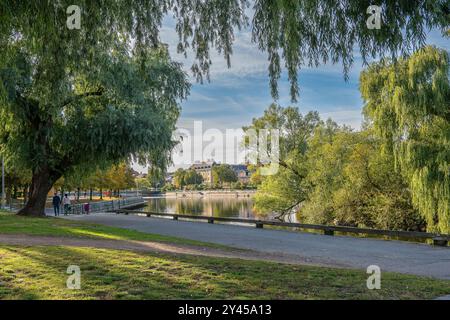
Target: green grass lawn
pixel 40 273
pixel 49 226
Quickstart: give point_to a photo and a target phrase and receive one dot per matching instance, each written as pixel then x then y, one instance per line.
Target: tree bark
pixel 14 194
pixel 41 183
pixel 25 194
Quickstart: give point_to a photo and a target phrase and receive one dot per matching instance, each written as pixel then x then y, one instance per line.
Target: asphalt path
pixel 335 251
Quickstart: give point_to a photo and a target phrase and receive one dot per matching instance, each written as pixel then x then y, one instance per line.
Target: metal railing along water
pixel 107 206
pixel 437 239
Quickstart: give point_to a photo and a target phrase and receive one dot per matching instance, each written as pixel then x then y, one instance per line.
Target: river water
pixel 212 206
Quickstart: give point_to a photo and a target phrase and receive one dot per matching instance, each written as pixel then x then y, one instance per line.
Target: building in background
pixel 205 170
pixel 242 172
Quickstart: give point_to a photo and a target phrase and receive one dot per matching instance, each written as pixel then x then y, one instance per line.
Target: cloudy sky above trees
pixel 236 95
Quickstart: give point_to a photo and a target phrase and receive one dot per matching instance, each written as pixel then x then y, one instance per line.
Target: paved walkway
pixel 340 251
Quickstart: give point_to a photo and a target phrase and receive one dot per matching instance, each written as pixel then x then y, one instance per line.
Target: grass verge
pixel 40 272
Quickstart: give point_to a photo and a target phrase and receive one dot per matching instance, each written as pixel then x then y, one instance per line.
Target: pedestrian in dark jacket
pixel 86 208
pixel 56 204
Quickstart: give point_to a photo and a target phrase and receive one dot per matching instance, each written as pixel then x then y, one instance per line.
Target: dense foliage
pixel 393 174
pixel 338 176
pixel 354 183
pixel 223 173
pixel 75 99
pixel 408 103
pixel 183 178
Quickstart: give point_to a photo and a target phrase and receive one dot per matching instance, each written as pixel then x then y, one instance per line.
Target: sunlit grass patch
pixel 40 273
pixel 49 226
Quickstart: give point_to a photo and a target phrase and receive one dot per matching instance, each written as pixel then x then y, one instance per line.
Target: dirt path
pixel 156 247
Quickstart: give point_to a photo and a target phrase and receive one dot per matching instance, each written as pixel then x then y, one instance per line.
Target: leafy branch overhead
pixel 293 33
pixel 108 92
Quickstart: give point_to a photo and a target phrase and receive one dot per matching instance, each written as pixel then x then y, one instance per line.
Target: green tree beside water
pixel 108 92
pixel 408 103
pixel 393 174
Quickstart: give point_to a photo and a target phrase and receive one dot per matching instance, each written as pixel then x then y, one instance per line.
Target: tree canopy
pixel 188 177
pixel 335 175
pixel 408 103
pixel 108 91
pixel 353 183
pixel 223 173
pixel 293 33
pixel 128 110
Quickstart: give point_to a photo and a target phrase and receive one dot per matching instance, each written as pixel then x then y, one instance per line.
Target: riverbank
pixel 210 193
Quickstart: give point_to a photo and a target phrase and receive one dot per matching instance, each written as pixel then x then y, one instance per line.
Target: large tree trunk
pixel 41 183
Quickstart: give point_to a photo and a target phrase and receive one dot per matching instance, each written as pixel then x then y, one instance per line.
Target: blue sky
pixel 236 95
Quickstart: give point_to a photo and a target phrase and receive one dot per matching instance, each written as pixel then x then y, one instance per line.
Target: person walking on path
pixel 56 204
pixel 86 208
pixel 66 202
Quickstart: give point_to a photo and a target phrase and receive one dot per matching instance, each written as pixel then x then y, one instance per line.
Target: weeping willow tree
pixel 409 105
pixel 108 91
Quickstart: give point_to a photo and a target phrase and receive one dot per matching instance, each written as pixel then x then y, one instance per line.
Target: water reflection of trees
pixel 218 207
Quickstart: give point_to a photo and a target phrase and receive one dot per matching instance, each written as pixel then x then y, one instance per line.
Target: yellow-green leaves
pixel 409 104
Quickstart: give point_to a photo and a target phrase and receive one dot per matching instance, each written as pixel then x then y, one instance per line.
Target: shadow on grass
pixel 49 226
pixel 115 274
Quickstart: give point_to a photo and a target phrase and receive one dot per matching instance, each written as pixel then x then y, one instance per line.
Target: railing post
pixel 440 241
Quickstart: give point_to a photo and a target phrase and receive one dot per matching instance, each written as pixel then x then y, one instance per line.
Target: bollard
pixel 328 232
pixel 148 215
pixel 259 225
pixel 175 218
pixel 210 220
